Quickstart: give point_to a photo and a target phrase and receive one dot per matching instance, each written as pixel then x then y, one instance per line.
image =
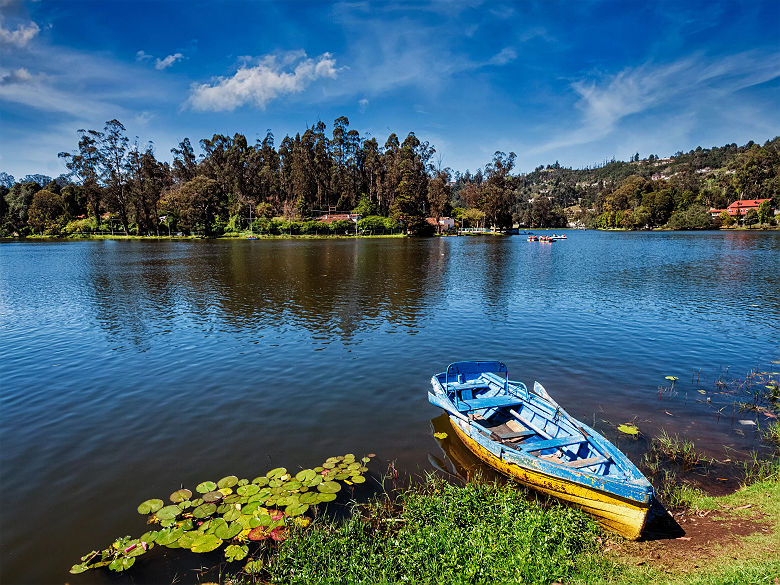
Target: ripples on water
pixel 128 368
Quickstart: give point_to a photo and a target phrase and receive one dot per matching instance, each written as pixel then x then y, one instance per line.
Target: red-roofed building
pixel 739 208
pixel 331 217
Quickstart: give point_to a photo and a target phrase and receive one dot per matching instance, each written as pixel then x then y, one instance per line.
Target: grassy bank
pixel 482 532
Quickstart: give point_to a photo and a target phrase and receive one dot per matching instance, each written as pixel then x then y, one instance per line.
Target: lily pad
pixel 326 497
pixel 168 512
pixel 254 566
pixel 204 510
pixel 276 473
pixel 296 509
pixel 205 543
pixel 180 496
pixel 628 429
pixel 235 552
pixel 149 537
pixel 251 508
pixel 261 480
pixel 169 535
pixel 305 475
pixel 150 506
pixel 228 531
pixel 231 515
pixel 248 490
pixel 81 567
pixel 227 482
pixel 242 482
pixel 259 533
pixel 187 539
pixel 358 479
pixel 672 378
pixel 214 496
pixel 206 487
pixel 121 563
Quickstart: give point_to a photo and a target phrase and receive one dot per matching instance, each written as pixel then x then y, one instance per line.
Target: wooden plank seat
pixel 513 436
pixel 489 402
pixel 553 443
pixel 579 463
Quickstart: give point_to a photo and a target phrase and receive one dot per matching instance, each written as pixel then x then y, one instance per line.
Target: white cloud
pixel 143 56
pixel 20 36
pixel 363 105
pixel 161 64
pixel 506 55
pixel 262 83
pixel 691 85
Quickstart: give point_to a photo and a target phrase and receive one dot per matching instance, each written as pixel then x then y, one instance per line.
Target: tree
pixel 85 166
pixel 194 204
pixel 113 147
pixel 726 219
pixel 751 217
pixel 439 196
pixel 47 212
pixel 764 212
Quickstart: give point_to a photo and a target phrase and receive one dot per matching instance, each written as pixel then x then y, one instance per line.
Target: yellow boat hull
pixel 613 512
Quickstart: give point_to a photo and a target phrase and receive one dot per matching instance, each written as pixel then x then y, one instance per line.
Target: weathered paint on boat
pixel 613 512
pixel 549 451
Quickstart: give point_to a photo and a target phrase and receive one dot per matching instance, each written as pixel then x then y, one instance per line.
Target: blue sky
pixel 578 82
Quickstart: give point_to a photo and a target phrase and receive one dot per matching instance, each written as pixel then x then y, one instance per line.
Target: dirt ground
pixel 686 540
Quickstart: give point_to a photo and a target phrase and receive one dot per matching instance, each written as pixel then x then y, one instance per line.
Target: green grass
pixel 441 533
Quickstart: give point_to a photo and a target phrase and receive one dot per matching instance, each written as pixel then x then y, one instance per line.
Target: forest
pixel 118 185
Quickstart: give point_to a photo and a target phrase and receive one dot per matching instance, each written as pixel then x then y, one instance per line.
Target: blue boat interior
pixel 525 421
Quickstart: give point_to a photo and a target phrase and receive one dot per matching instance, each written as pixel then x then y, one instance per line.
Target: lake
pixel 128 368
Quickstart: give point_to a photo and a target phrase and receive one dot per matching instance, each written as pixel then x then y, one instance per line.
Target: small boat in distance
pixel 529 437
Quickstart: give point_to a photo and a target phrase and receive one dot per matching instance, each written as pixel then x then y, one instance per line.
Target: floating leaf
pixel 259 533
pixel 254 566
pixel 226 491
pixel 187 539
pixel 242 482
pixel 205 487
pixel 121 563
pixel 358 479
pixel 248 490
pixel 629 429
pixel 80 568
pixel 168 512
pixel 672 378
pixel 186 525
pixel 205 543
pixel 305 475
pixel 180 496
pixel 150 536
pixel 169 535
pixel 329 487
pixel 326 497
pixel 231 515
pixel 296 509
pixel 204 510
pixel 261 481
pixel 212 496
pixel 150 506
pixel 227 482
pixel 276 473
pixel 235 552
pixel 228 531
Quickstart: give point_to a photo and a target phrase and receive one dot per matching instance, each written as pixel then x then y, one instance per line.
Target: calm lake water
pixel 129 368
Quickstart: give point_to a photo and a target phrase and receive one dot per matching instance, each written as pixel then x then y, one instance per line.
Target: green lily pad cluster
pixel 233 512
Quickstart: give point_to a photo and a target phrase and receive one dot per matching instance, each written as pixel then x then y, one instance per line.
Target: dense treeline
pixel 118 185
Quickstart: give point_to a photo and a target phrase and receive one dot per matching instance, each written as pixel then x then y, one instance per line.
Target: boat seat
pixel 586 462
pixel 490 402
pixel 515 435
pixel 553 443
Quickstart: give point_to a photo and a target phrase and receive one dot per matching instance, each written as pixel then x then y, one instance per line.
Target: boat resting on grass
pixel 527 436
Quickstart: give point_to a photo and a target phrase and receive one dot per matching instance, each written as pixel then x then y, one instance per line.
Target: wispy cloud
pixel 259 84
pixel 143 56
pixel 694 84
pixel 506 55
pixel 20 36
pixel 161 64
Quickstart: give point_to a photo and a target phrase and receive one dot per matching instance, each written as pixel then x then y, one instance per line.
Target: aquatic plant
pixel 232 511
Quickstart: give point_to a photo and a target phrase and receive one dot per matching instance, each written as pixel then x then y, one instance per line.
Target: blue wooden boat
pixel 531 438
